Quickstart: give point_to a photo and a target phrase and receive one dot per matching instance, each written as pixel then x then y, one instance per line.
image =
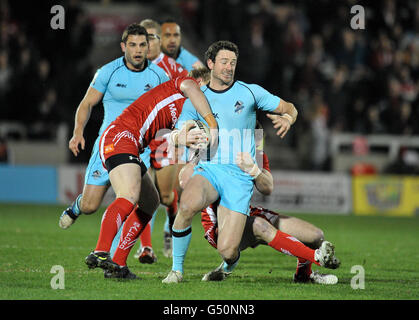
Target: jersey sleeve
pixel 101 79
pixel 265 100
pixel 180 79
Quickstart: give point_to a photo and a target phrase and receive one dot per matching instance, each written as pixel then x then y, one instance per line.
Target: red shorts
pixel 116 140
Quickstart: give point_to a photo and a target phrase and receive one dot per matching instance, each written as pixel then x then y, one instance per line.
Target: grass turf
pixel 31 243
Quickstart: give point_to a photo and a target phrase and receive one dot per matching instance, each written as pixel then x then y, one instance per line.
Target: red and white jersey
pixel 157 109
pixel 172 68
pixel 209 214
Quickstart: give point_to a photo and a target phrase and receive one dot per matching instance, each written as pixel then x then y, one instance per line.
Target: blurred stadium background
pixel 354 148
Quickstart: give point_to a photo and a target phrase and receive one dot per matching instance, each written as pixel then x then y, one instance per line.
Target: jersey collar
pixel 146 63
pixel 221 91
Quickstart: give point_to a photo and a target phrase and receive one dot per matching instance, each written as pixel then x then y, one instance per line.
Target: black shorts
pixel 122 158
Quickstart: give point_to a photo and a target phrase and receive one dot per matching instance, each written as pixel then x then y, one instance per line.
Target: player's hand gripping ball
pixel 203 128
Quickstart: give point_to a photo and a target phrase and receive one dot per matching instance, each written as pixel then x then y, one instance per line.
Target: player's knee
pixel 166 198
pixel 186 209
pixel 260 228
pixel 154 199
pixel 318 238
pixel 150 199
pixel 132 193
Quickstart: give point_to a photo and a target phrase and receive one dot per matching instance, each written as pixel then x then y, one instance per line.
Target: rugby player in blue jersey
pixel 117 84
pixel 234 105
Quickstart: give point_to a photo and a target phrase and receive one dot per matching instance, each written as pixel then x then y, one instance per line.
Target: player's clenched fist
pixel 245 162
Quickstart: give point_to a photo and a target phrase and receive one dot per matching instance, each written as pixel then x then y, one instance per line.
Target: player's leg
pixel 286 243
pixel 86 203
pixel 230 231
pixel 230 249
pixel 125 178
pixel 304 231
pixel 312 237
pixel 96 183
pixel 137 220
pixel 126 182
pixel 198 194
pixel 165 182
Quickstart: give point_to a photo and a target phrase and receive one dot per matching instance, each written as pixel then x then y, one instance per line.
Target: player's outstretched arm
pixel 262 178
pixel 284 117
pixel 91 98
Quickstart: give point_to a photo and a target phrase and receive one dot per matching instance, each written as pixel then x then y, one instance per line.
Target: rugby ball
pixel 199 125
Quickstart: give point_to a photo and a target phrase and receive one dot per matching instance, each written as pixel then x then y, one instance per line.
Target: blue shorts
pixel 234 187
pixel 145 157
pixel 97 175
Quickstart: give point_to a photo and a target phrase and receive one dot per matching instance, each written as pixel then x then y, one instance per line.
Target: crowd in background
pixel 39 69
pixel 341 79
pixel 358 80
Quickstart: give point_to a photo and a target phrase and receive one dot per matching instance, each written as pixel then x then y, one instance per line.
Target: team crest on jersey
pixel 238 107
pixel 148 87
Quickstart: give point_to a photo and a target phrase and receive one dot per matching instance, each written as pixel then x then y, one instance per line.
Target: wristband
pixel 255 171
pixel 210 120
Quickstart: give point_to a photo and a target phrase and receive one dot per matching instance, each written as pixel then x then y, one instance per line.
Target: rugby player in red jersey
pixel 163 171
pixel 120 145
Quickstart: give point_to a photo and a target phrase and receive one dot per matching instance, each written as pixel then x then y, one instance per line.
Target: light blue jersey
pixel 186 59
pixel 120 87
pixel 235 111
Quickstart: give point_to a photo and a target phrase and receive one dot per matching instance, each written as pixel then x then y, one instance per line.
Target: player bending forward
pixel 119 147
pixel 283 233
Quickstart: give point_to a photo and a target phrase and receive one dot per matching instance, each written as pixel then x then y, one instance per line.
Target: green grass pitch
pixel 31 243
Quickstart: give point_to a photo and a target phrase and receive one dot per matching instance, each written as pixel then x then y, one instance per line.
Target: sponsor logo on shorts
pixel 96 174
pixel 134 158
pixel 109 148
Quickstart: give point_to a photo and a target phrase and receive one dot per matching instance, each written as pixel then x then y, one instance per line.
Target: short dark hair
pixel 213 49
pixel 134 29
pixel 203 73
